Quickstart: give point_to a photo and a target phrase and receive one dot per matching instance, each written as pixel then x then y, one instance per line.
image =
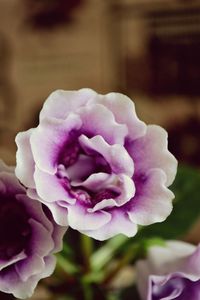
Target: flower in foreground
pixel 28 238
pixel 171 272
pixel 96 165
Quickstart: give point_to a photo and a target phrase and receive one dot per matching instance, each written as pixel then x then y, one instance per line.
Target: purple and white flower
pixel 170 272
pixel 96 165
pixel 28 238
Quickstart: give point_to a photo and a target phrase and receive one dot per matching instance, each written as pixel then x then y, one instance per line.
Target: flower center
pixel 105 194
pixel 14 228
pixel 71 155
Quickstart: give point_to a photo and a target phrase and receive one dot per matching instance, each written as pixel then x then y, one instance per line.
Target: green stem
pixel 87 249
pixel 104 255
pixel 126 259
pixel 67 265
pixel 87 290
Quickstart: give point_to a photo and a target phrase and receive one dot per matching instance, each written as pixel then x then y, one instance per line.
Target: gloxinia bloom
pixel 28 238
pixel 96 165
pixel 170 272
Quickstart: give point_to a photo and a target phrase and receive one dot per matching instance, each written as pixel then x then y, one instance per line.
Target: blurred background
pixel 147 49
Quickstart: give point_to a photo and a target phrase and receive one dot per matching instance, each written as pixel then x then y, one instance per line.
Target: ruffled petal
pixel 154 202
pixel 115 155
pixel 123 109
pixel 48 139
pixel 11 283
pixel 119 224
pixel 59 213
pixel 80 219
pixel 61 103
pixel 118 183
pixel 109 129
pixel 50 188
pixel 150 151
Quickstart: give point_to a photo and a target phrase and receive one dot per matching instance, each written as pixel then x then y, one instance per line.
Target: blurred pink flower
pixel 170 272
pixel 96 165
pixel 28 238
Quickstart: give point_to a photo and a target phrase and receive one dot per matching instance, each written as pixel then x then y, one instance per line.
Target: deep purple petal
pixel 20 256
pixel 10 185
pixel 41 241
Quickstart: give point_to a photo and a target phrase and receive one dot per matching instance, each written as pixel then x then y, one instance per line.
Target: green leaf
pixel 66 265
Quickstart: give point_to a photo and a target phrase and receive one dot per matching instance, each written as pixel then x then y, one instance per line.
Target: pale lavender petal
pixel 116 155
pixel 150 151
pixel 127 190
pixel 190 265
pixel 102 205
pixel 50 188
pixel 98 120
pixel 123 109
pixel 154 203
pixel 61 103
pixel 119 224
pixel 167 258
pixel 80 219
pixel 170 272
pixel 96 181
pixel 54 134
pixel 59 213
pixel 25 164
